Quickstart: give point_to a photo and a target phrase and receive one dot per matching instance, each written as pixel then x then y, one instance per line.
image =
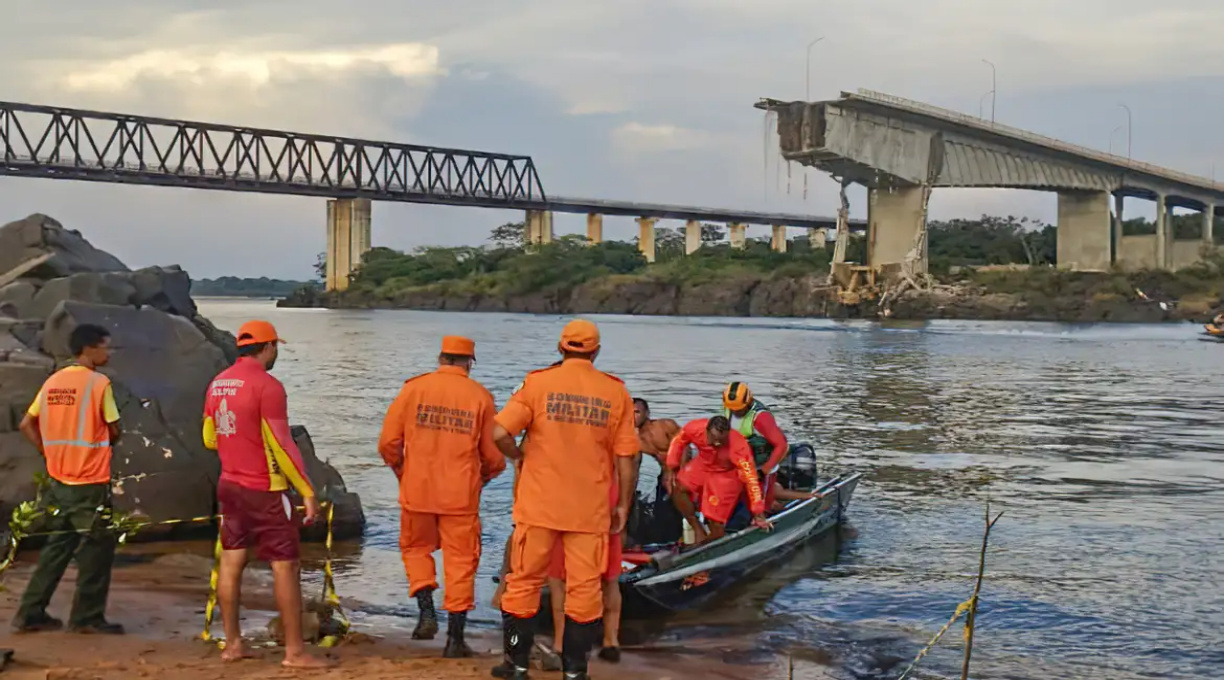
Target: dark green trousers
pixel 81 533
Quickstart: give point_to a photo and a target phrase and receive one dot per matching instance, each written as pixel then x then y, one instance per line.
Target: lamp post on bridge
pixel 1111 137
pixel 807 91
pixel 994 88
pixel 1128 130
pixel 807 97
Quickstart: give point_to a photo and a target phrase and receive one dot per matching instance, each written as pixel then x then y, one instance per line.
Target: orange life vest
pixel 76 439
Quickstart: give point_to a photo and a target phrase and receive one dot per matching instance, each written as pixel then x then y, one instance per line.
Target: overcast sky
pixel 619 99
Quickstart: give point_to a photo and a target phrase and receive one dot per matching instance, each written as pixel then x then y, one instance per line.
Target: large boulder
pixel 111 288
pixel 157 355
pixel 348 519
pixel 17 297
pixel 70 253
pixel 165 354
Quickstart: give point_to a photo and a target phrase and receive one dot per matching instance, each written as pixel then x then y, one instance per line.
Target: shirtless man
pixel 653 435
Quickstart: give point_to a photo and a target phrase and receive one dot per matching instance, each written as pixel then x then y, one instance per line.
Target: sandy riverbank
pixel 161 601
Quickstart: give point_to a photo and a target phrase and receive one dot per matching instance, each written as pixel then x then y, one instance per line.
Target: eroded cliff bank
pixel 1027 296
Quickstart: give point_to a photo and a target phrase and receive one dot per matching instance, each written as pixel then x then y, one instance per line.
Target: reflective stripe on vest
pixel 746 425
pixel 761 448
pixel 83 419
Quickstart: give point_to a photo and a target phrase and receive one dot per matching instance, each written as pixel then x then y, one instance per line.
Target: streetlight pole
pixel 1111 138
pixel 1128 130
pixel 994 87
pixel 807 92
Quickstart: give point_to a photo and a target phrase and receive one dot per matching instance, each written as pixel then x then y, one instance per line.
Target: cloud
pixel 645 100
pixel 635 137
pixel 196 68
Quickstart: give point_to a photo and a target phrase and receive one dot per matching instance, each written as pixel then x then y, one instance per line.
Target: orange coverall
pixel 578 420
pixel 716 476
pixel 438 437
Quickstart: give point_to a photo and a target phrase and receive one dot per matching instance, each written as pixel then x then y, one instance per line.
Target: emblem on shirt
pixel 226 421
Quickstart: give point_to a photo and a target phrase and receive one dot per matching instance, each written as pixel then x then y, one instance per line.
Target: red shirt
pixel 767 427
pixel 735 457
pixel 246 421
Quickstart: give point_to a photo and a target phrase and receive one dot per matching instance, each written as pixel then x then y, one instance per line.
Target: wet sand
pixel 160 600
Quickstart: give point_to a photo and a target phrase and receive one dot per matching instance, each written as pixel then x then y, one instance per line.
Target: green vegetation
pixel 232 286
pixel 507 267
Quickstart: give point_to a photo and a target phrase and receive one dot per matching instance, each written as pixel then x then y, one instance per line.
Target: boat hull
pixel 692 579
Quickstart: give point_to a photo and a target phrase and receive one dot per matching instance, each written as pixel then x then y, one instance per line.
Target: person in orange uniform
pixel 74 424
pixel 438 438
pixel 580 434
pixel 246 421
pixel 720 472
pixel 611 588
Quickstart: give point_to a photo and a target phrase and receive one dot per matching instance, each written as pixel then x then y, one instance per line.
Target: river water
pixel 1102 444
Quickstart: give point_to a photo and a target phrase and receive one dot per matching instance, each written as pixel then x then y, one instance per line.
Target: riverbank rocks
pixel 165 354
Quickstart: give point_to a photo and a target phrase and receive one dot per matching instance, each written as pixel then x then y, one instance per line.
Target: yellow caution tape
pixel 329 590
pixel 960 611
pixel 27 513
pixel 212 591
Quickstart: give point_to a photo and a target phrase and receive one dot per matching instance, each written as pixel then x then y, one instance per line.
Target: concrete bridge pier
pixel 692 237
pixel 646 237
pixel 738 234
pixel 348 239
pixel 1162 232
pixel 1117 229
pixel 1084 229
pixel 777 241
pixel 594 228
pixel 538 228
pixel 1183 253
pixel 895 217
pixel 1209 224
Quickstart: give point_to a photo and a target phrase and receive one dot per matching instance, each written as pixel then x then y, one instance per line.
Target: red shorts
pixel 718 491
pixel 263 520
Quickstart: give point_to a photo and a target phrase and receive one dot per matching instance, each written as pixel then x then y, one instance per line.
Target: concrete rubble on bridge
pixel 901 150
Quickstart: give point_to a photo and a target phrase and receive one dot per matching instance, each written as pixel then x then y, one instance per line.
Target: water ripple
pixel 1102 443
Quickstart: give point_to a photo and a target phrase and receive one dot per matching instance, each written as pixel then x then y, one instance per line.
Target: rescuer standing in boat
pixel 579 424
pixel 756 423
pixel 438 438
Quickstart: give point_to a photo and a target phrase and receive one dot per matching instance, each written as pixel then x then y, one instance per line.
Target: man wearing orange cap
pixel 580 438
pixel 246 421
pixel 438 438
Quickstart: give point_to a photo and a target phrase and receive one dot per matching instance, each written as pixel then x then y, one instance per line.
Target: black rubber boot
pixel 518 636
pixel 456 648
pixel 576 649
pixel 427 626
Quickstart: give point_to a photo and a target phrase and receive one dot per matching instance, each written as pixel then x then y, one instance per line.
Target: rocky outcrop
pixel 165 355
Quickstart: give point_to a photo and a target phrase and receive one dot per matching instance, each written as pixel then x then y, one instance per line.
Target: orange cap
pixel 579 336
pixel 458 345
pixel 255 332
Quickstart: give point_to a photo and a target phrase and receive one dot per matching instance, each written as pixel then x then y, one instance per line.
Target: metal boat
pixel 667 579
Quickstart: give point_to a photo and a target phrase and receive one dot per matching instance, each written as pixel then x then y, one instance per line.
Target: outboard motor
pixel 798 470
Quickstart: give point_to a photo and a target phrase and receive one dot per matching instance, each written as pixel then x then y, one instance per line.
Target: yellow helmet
pixel 737 397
